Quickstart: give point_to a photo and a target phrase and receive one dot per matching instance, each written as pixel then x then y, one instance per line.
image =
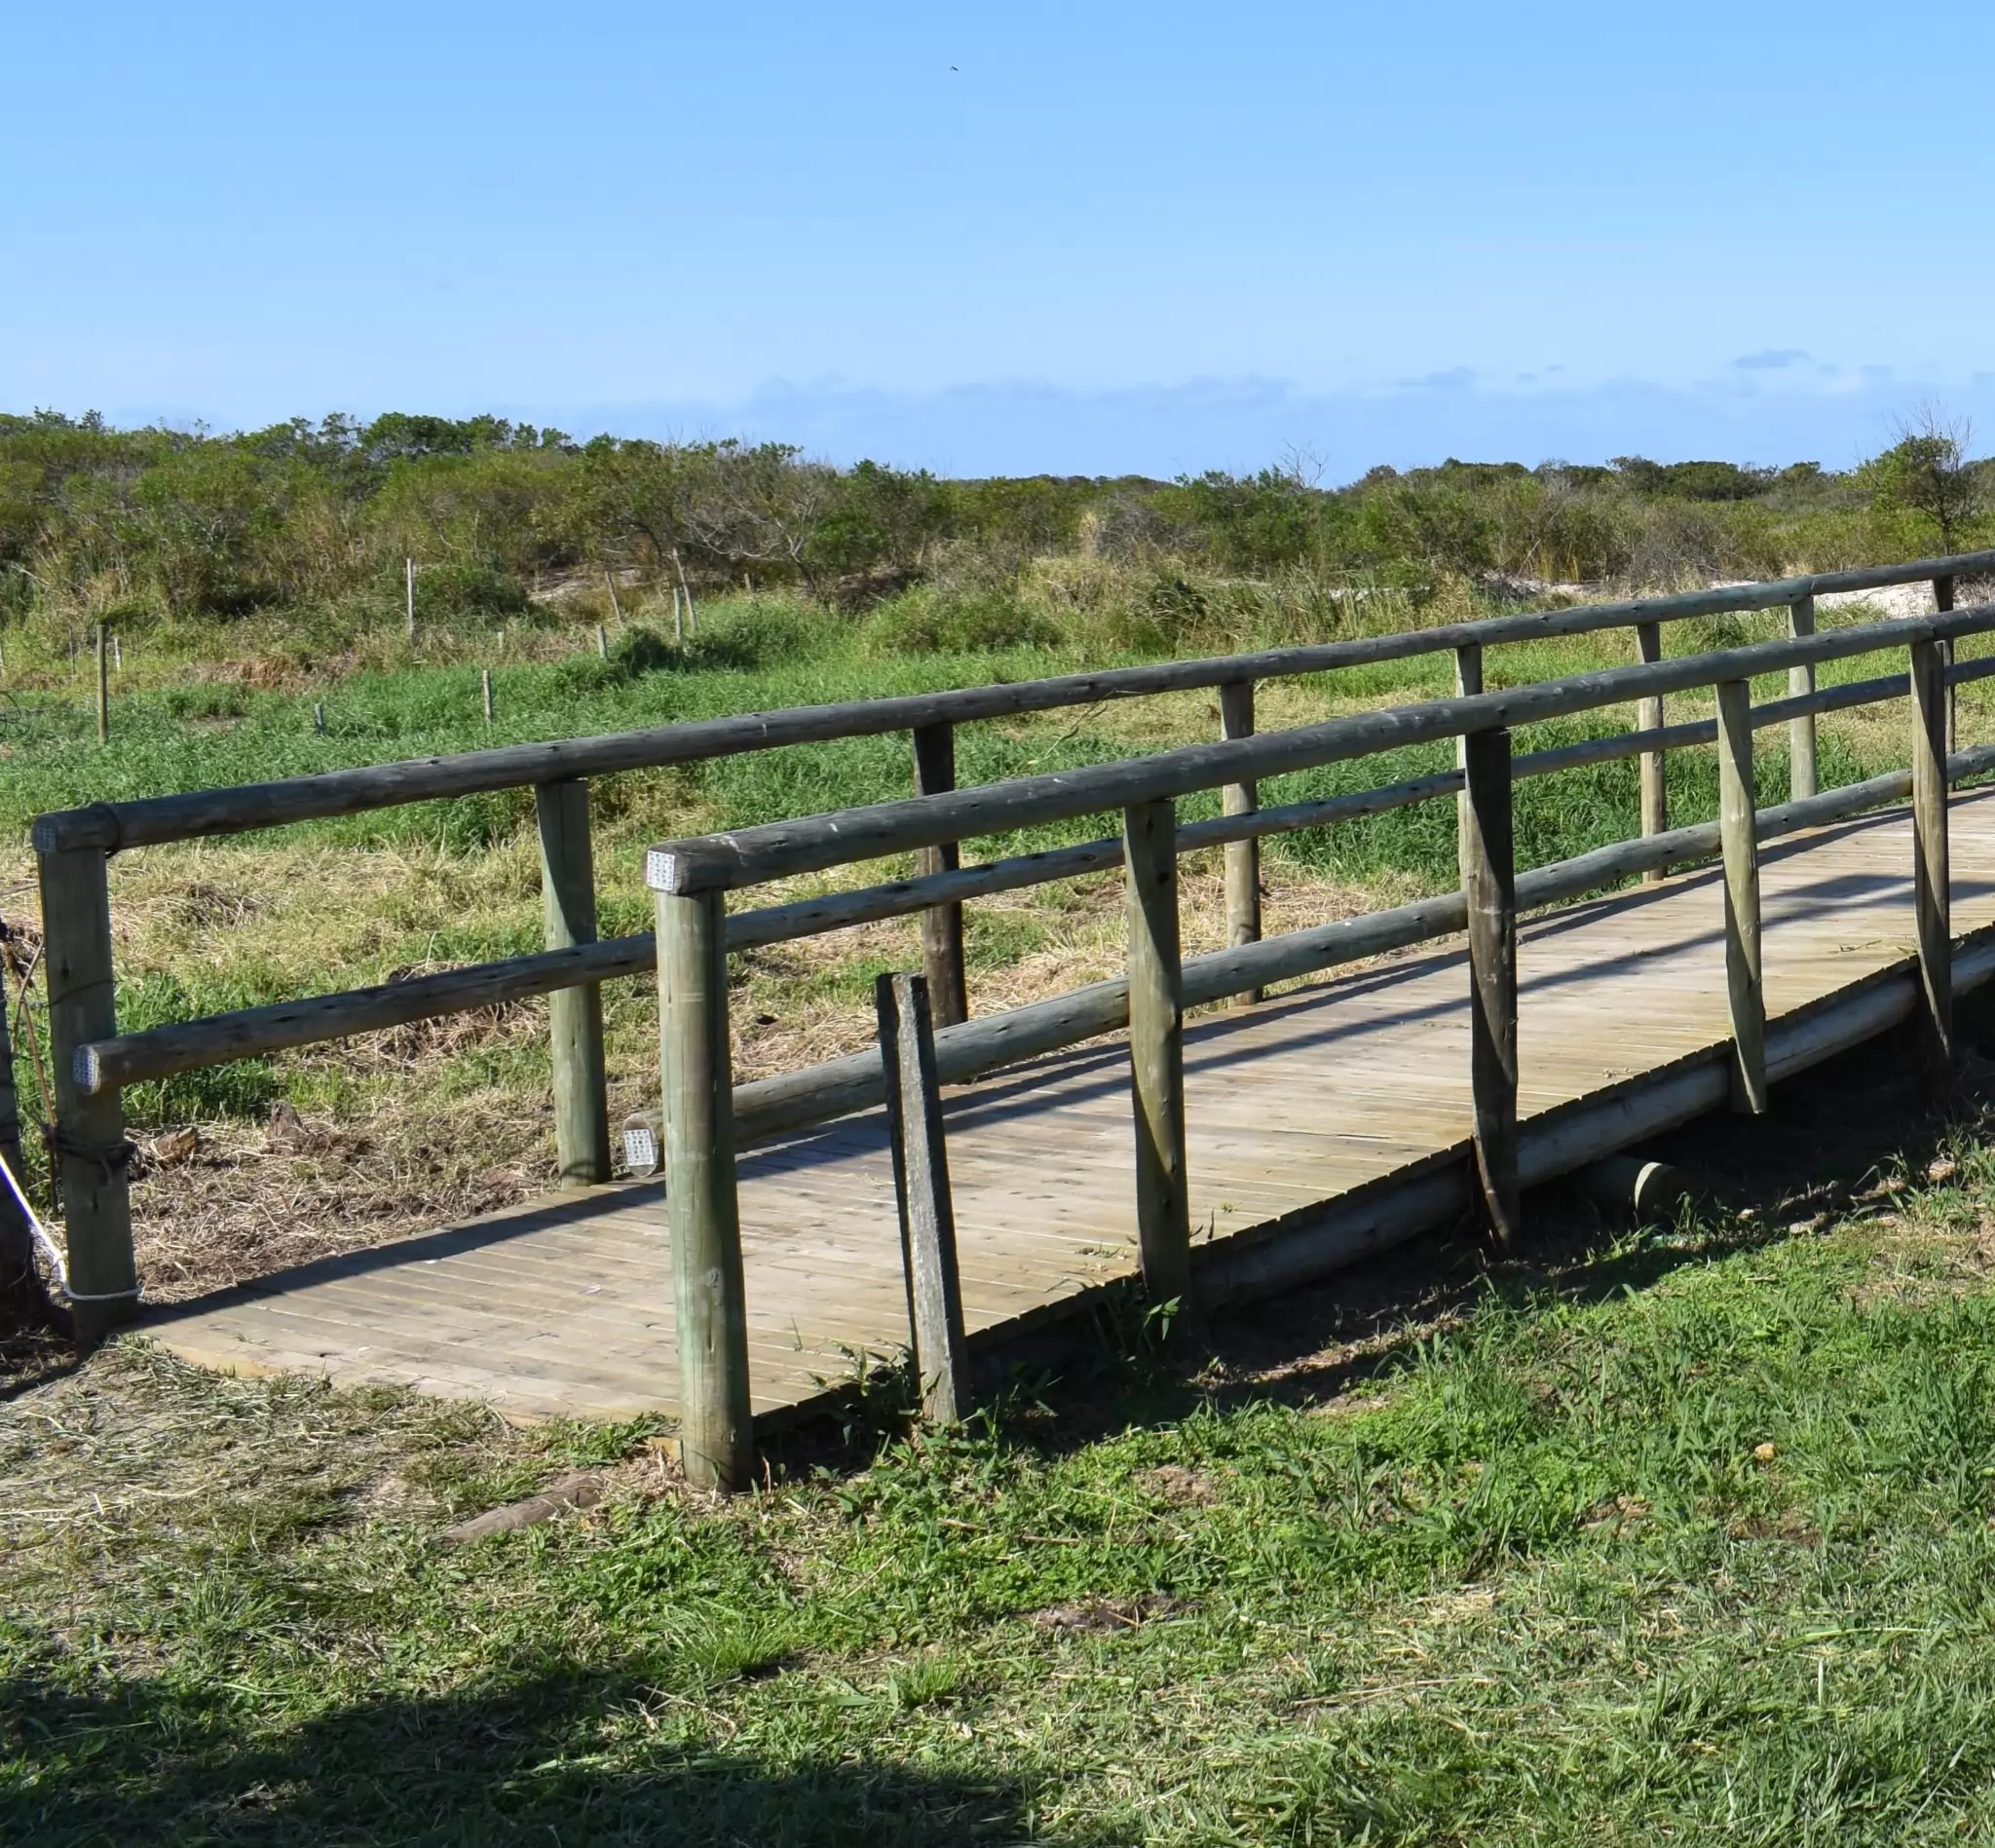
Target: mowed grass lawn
pixel 1681 1534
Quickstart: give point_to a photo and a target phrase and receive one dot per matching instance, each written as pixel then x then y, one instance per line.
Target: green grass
pixel 1697 1548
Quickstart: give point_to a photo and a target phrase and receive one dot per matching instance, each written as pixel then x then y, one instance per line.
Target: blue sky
pixel 1082 237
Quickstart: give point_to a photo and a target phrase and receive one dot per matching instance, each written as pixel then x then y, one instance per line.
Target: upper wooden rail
pixel 778 849
pixel 152 820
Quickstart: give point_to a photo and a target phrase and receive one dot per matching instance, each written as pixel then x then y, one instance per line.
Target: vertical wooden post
pixel 616 608
pixel 1942 601
pixel 318 717
pixel 1156 1049
pixel 1243 858
pixel 409 584
pixel 103 690
pixel 1489 888
pixel 1932 880
pixel 1744 983
pixel 575 1015
pixel 941 925
pixel 1468 679
pixel 920 1180
pixel 1649 717
pixel 93 1152
pixel 485 691
pixel 716 1432
pixel 1801 763
pixel 602 643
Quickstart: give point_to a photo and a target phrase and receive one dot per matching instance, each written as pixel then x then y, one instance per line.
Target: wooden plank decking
pixel 565 1308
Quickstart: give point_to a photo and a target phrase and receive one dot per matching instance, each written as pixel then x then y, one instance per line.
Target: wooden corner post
pixel 715 1436
pixel 91 1153
pixel 1737 836
pixel 575 1015
pixel 1489 889
pixel 1803 775
pixel 1649 717
pixel 1243 858
pixel 1932 880
pixel 921 1182
pixel 941 925
pixel 1156 1050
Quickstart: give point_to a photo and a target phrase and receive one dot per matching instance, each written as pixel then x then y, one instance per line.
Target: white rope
pixel 52 1252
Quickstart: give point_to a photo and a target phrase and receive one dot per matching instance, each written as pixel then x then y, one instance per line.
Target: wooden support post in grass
pixel 1649 717
pixel 678 619
pixel 409 581
pixel 318 717
pixel 616 608
pixel 1243 858
pixel 602 643
pixel 1156 1050
pixel 1489 890
pixel 920 1180
pixel 575 1015
pixel 941 925
pixel 1942 600
pixel 1801 767
pixel 485 690
pixel 1931 881
pixel 716 1433
pixel 92 1152
pixel 103 691
pixel 1744 983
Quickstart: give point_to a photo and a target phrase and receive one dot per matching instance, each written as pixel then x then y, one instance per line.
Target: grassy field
pixel 1681 1535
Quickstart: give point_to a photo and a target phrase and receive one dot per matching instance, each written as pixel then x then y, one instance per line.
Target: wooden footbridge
pixel 976 1178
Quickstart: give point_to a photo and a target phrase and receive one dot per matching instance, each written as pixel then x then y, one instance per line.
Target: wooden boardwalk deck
pixel 565 1308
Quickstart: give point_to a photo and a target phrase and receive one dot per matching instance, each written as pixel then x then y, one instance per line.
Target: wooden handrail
pixel 133 1058
pixel 778 849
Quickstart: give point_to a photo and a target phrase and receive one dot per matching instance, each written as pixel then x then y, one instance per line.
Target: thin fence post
pixel 1802 773
pixel 103 690
pixel 1649 717
pixel 409 587
pixel 1942 601
pixel 1744 977
pixel 91 1153
pixel 602 643
pixel 1489 888
pixel 575 1015
pixel 1932 880
pixel 1156 1050
pixel 920 1180
pixel 485 691
pixel 616 608
pixel 1243 858
pixel 941 925
pixel 716 1431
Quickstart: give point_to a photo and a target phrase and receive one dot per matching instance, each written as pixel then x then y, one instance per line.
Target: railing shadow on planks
pixel 706 1116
